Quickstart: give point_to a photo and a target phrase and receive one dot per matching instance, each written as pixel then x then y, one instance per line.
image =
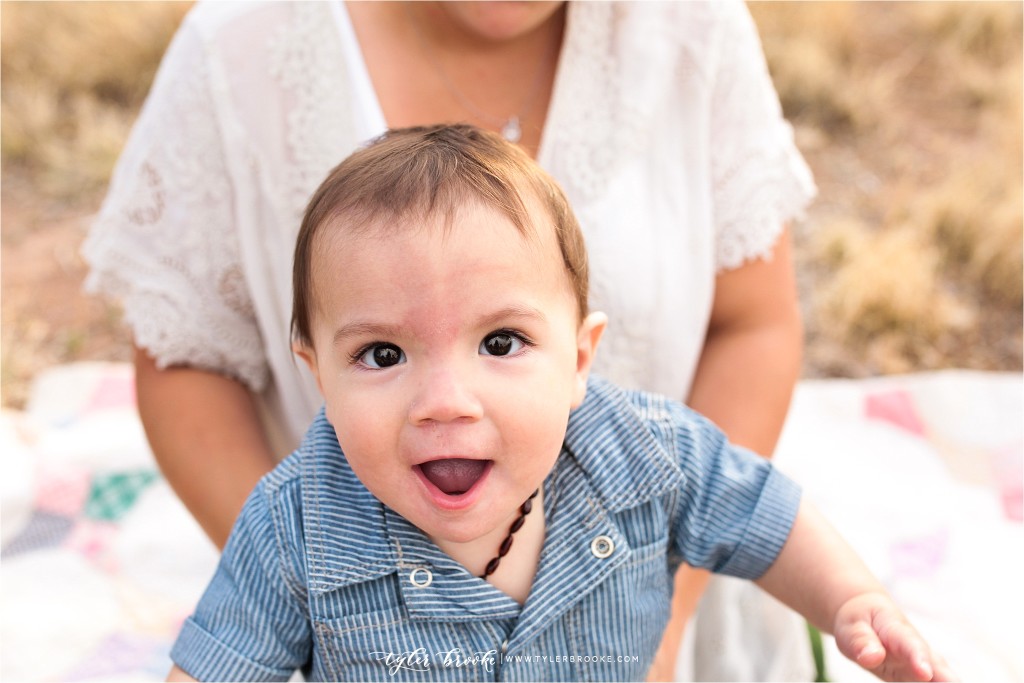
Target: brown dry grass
pixel 72 77
pixel 909 113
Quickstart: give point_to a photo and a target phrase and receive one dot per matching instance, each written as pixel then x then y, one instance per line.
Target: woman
pixel 659 120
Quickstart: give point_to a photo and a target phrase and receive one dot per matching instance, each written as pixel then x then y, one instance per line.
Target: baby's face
pixel 449 362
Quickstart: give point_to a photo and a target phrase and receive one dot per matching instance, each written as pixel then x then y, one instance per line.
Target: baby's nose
pixel 445 395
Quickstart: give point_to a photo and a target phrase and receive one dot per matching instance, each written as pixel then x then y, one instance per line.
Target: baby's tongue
pixel 455 475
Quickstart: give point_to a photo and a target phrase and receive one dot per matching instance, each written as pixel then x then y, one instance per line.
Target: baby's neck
pixel 515 572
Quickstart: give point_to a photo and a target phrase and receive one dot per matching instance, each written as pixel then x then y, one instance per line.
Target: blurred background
pixel 910 260
pixel 908 113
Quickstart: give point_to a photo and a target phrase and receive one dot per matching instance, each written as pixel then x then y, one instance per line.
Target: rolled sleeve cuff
pixel 769 527
pixel 203 657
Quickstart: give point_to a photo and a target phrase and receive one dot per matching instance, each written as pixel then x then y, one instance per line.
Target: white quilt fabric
pixel 922 473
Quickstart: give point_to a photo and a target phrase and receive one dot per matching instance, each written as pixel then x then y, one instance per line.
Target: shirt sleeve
pixel 164 244
pixel 251 623
pixel 736 509
pixel 760 180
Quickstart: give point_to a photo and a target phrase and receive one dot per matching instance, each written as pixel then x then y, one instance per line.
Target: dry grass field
pixel 909 114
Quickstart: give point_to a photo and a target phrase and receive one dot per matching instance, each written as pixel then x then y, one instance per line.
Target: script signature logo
pixel 415 660
pixel 420 660
pixel 456 659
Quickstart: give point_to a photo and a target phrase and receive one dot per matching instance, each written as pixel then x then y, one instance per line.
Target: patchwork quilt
pixel 923 474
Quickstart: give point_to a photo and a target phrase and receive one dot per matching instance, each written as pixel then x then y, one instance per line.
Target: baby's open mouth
pixel 454 476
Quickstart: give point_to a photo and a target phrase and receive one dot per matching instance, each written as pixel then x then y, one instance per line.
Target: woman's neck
pixel 427 69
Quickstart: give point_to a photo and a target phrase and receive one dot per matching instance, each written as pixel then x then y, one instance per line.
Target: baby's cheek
pixel 359 435
pixel 540 432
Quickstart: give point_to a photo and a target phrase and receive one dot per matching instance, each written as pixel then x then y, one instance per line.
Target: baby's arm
pixel 820 576
pixel 252 622
pixel 177 675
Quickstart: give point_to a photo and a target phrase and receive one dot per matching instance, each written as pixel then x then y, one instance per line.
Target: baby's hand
pixel 873 632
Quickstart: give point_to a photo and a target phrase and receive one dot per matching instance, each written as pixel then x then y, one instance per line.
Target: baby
pixel 471 504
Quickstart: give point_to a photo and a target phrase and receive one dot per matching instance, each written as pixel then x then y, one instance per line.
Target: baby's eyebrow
pixel 512 312
pixel 365 329
pixel 383 331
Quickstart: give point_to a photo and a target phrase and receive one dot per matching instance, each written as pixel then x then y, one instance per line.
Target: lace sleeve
pixel 760 180
pixel 165 242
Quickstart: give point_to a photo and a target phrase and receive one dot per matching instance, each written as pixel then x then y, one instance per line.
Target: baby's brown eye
pixel 500 344
pixel 383 356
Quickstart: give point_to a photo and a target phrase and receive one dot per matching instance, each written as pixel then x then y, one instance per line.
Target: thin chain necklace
pixel 506 545
pixel 511 127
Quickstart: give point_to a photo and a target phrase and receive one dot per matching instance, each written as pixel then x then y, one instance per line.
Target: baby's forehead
pixel 536 226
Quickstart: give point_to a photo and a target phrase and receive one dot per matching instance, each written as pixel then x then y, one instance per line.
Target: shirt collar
pixel 343 522
pixel 623 441
pixel 612 436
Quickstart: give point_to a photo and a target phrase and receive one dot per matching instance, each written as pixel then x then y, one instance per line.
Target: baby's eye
pixel 500 344
pixel 380 356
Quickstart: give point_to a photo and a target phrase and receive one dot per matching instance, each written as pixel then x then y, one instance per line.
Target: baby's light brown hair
pixel 411 174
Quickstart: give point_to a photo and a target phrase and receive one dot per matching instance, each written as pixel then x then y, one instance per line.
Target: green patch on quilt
pixel 112 495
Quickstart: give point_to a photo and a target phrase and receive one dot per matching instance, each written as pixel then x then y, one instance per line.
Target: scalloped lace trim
pixel 760 179
pixel 162 244
pixel 307 61
pixel 755 203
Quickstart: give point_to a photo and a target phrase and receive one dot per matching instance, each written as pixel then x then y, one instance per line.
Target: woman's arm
pixel 206 434
pixel 744 382
pixel 752 353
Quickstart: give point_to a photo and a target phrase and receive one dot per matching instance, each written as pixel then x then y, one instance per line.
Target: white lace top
pixel 664 130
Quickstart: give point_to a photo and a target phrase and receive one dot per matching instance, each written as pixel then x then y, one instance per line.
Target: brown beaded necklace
pixel 506 545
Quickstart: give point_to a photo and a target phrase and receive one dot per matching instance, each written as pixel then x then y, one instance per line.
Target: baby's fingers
pixel 942 670
pixel 860 643
pixel 907 652
pixel 910 657
pixel 871 631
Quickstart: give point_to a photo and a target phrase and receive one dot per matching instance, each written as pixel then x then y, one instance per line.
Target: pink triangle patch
pixel 894 407
pixel 112 391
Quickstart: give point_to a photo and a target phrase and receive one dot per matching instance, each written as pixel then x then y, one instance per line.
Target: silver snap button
pixel 602 547
pixel 420 577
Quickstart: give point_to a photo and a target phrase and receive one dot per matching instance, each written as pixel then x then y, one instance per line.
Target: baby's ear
pixel 308 355
pixel 587 339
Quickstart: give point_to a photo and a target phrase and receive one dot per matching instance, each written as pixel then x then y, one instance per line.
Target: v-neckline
pixel 372 121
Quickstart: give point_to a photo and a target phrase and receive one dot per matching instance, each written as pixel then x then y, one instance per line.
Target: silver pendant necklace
pixel 511 127
pixel 511 130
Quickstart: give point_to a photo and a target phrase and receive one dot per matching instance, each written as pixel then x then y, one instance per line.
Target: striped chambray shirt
pixel 318 575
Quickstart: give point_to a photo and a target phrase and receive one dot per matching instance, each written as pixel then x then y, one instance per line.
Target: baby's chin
pixel 486 524
pixel 447 537
pixel 461 542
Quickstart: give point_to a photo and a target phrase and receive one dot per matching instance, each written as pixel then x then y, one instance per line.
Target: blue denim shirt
pixel 319 575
